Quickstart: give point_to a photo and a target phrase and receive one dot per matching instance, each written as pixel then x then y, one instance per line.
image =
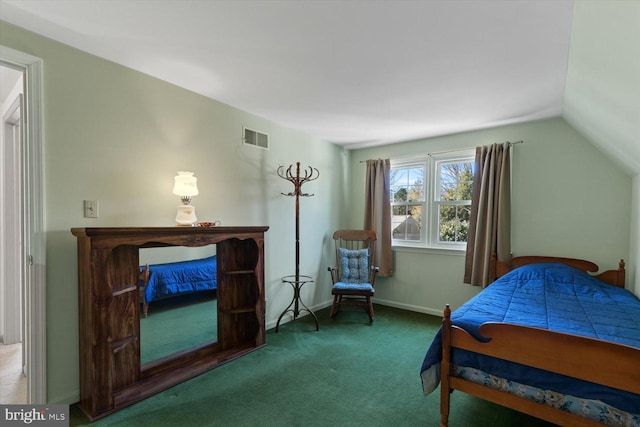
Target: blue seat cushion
pixel 354 265
pixel 342 286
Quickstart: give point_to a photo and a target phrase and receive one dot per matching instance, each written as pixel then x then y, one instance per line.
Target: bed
pixel 548 339
pixel 159 281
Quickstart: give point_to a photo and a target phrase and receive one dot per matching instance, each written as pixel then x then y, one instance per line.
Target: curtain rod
pixel 447 151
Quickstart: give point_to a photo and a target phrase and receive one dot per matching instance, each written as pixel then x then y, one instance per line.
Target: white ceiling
pixel 357 73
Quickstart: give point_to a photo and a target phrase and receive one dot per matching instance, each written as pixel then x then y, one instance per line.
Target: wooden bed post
pixel 445 368
pixel 492 267
pixel 497 268
pixel 621 273
pixel 614 277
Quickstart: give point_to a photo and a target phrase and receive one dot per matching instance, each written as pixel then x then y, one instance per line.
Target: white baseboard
pixel 289 316
pixel 409 307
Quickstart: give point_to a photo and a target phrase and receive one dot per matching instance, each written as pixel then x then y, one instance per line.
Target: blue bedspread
pixel 549 296
pixel 181 277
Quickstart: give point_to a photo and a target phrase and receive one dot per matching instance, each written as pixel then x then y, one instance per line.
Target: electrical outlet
pixel 91 209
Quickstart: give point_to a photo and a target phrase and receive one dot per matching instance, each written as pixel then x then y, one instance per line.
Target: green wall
pixel 118 136
pixel 568 200
pixel 602 91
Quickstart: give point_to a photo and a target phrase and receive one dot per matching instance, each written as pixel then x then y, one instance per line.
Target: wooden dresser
pixel 111 375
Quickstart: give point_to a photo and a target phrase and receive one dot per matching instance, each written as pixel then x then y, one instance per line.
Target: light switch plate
pixel 91 209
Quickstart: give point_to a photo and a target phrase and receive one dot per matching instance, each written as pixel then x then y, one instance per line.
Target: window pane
pixel 398 215
pixel 416 214
pixel 453 223
pixel 416 176
pixel 398 232
pixel 399 210
pixel 407 184
pixel 408 226
pixel 456 181
pixel 399 194
pixel 416 193
pixel 447 191
pixel 464 213
pixel 449 231
pixel 399 177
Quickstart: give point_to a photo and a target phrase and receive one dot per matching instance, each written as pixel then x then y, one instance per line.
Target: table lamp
pixel 185 186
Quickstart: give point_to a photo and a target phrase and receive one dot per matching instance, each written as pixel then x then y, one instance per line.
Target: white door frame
pixel 33 222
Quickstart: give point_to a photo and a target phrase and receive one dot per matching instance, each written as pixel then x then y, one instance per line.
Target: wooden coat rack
pixel 297 280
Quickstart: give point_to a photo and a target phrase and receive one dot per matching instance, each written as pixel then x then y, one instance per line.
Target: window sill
pixel 430 250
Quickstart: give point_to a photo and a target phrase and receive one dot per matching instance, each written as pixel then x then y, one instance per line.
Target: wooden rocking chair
pixel 354 275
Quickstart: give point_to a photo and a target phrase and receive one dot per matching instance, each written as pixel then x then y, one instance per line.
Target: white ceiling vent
pixel 255 138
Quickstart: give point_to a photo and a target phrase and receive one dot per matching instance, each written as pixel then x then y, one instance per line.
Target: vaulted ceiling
pixel 352 72
pixel 356 73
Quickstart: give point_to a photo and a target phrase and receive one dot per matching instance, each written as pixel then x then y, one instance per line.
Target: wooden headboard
pixel 612 277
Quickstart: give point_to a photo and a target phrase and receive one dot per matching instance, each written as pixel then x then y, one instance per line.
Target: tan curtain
pixel 490 223
pixel 377 212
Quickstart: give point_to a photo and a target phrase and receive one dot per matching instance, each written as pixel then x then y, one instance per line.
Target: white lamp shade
pixel 185 184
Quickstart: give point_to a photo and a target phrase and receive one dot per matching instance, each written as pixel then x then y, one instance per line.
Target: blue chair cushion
pixel 342 286
pixel 354 265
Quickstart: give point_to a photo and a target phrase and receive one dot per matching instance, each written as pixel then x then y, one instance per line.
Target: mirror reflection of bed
pixel 181 298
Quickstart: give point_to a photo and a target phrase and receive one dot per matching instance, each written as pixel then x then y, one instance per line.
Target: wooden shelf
pixel 121 344
pixel 121 291
pixel 111 375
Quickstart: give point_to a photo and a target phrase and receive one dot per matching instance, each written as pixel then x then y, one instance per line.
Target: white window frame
pixel 463 156
pixel 429 236
pixel 405 164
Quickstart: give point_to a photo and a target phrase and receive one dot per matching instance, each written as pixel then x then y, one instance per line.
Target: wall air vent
pixel 255 138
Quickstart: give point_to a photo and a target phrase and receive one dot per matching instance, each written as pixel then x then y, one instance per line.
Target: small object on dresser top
pixel 208 224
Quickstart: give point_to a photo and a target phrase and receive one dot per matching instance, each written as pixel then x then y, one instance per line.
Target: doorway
pixel 13 368
pixel 22 241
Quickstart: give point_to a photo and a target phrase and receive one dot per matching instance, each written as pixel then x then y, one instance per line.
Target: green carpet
pixel 350 373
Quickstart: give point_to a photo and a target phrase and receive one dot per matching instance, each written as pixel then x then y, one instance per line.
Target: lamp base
pixel 186 216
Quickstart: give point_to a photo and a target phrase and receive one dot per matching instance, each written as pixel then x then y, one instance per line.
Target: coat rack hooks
pixel 309 174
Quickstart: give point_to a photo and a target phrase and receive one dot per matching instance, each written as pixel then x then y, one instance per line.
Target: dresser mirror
pixel 182 301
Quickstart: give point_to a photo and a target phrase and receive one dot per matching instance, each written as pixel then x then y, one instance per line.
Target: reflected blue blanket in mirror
pixel 181 277
pixel 550 296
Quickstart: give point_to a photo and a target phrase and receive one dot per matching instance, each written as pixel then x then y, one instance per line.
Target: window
pixel 407 201
pixel 431 200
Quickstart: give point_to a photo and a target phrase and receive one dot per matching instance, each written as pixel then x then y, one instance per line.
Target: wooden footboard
pixel 600 362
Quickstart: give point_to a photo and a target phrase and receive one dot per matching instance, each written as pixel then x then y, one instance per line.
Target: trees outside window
pixel 453 201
